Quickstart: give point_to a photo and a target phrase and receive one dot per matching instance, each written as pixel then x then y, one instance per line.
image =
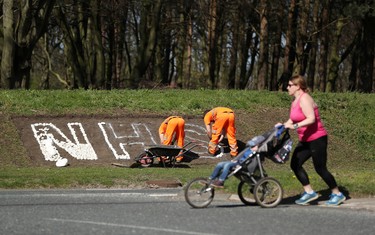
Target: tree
pixel 82 42
pixel 96 44
pixel 334 58
pixel 366 54
pixel 320 81
pixel 277 27
pixel 149 26
pixel 303 45
pixel 313 38
pixel 24 23
pixel 290 41
pixel 263 46
pixel 212 41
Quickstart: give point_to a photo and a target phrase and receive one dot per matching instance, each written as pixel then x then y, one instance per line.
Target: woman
pixel 305 119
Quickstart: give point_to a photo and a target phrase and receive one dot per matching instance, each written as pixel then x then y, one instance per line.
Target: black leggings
pixel 317 149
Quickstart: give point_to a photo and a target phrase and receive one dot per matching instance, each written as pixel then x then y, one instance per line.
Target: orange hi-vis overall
pixel 222 120
pixel 173 126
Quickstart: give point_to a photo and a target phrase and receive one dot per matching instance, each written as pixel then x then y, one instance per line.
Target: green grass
pixel 356 184
pixel 95 102
pixel 88 177
pixel 349 118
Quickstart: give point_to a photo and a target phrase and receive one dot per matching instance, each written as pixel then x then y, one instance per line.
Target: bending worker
pixel 218 121
pixel 172 129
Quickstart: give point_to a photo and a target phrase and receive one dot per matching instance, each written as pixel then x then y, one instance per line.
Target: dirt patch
pixel 87 140
pixel 164 183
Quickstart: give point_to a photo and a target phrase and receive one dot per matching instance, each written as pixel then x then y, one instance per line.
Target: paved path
pixel 164 211
pixel 366 203
pixel 360 203
pixel 352 203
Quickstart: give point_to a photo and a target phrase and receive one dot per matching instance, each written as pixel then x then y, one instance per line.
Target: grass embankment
pixel 348 117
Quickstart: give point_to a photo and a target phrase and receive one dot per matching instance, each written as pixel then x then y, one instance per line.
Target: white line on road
pixel 128 226
pixel 163 195
pixel 109 194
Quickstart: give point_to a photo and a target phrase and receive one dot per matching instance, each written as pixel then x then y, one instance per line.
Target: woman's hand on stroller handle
pixel 280 126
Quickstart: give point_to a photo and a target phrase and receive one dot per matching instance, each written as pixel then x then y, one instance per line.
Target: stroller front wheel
pixel 268 192
pixel 198 193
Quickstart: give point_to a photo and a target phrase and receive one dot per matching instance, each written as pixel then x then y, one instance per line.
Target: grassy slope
pixel 348 117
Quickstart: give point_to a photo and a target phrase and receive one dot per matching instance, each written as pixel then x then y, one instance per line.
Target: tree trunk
pixel 48 66
pixel 276 47
pixel 366 59
pixel 353 78
pixel 7 58
pixel 73 46
pixel 250 81
pixel 189 48
pixel 181 48
pixel 149 25
pixel 234 52
pixel 19 42
pixel 314 46
pixel 246 44
pixel 263 47
pixel 212 42
pixel 110 31
pixel 99 59
pixel 290 41
pixel 334 57
pixel 320 80
pixel 302 48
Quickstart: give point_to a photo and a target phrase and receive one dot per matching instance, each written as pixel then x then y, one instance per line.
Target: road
pixel 164 211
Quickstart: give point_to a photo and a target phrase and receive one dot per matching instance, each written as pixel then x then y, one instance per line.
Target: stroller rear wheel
pixel 198 193
pixel 245 192
pixel 268 192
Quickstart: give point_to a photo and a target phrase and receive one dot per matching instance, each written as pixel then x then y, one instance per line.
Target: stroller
pixel 255 186
pixel 166 154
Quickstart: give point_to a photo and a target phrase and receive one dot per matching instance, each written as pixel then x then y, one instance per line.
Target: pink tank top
pixel 311 132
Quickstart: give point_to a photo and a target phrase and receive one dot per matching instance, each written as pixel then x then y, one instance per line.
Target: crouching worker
pixel 219 121
pixel 173 129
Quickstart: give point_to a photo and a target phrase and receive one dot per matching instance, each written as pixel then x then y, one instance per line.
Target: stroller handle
pixel 280 130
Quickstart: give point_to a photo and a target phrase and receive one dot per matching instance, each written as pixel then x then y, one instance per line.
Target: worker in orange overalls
pixel 220 121
pixel 172 129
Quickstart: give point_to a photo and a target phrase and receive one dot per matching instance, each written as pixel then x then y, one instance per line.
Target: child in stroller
pixel 255 184
pixel 256 144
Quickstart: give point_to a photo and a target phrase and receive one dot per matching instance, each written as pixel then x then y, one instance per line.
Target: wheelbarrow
pixel 167 154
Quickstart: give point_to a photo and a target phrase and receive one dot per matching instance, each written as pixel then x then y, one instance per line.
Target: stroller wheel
pixel 245 192
pixel 199 193
pixel 268 192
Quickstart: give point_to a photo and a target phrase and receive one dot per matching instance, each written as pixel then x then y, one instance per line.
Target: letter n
pixel 49 136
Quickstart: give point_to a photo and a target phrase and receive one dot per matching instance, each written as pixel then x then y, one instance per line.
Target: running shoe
pixel 306 198
pixel 335 199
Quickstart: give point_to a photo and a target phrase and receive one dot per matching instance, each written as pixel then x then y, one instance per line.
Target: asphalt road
pixel 164 211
